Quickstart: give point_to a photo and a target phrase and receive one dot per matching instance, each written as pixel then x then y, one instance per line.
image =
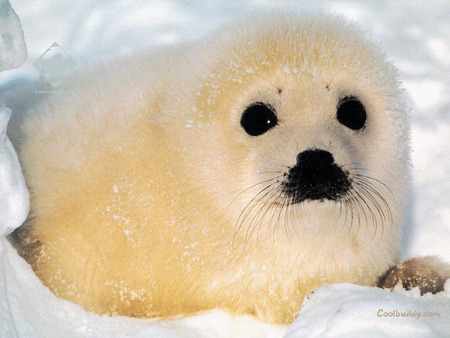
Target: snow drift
pixel 29 309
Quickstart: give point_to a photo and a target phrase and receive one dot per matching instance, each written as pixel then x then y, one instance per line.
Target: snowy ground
pixel 415 34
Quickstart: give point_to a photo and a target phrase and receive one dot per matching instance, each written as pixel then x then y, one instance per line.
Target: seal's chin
pixel 315 177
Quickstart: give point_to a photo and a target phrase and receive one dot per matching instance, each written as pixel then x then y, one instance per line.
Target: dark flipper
pixel 427 273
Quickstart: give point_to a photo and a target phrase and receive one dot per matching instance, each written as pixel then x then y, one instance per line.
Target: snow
pixel 13 51
pixel 415 36
pixel 347 310
pixel 14 202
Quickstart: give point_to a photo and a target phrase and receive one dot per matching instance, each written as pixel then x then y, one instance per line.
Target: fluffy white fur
pixel 146 190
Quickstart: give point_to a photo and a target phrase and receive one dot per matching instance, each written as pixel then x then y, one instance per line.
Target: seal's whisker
pixel 281 202
pixel 252 186
pixel 271 207
pixel 269 172
pixel 267 204
pixel 358 171
pixel 378 201
pixel 277 89
pixel 275 203
pixel 246 210
pixel 339 215
pixel 346 210
pixel 374 179
pixel 360 197
pixel 298 216
pixel 381 198
pixel 255 204
pixel 357 207
pixel 366 193
pixel 286 222
pixel 352 212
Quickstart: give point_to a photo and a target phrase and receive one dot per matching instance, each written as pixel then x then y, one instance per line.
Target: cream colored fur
pixel 142 177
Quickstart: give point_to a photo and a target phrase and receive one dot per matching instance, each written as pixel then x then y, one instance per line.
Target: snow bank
pixel 347 310
pixel 14 202
pixel 29 309
pixel 14 199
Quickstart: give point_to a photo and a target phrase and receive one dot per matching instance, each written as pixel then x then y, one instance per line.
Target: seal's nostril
pixel 315 157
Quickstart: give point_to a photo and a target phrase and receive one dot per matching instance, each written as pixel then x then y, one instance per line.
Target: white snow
pixel 353 311
pixel 415 36
pixel 13 51
pixel 14 203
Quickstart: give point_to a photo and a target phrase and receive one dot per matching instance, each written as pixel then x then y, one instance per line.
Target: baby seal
pixel 239 172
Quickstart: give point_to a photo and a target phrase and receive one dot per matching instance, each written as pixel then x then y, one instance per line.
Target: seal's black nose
pixel 315 160
pixel 315 177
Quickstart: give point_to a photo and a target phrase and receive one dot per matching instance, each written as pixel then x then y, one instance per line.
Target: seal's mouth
pixel 315 177
pixel 350 196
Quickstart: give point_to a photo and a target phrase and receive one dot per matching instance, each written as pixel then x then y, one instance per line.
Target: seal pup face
pixel 306 125
pixel 315 176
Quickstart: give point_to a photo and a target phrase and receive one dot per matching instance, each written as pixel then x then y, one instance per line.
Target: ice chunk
pixel 13 51
pixel 14 197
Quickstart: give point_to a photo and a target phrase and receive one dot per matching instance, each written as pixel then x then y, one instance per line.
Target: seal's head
pixel 304 121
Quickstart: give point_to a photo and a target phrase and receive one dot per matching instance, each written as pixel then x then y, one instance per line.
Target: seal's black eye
pixel 351 113
pixel 258 118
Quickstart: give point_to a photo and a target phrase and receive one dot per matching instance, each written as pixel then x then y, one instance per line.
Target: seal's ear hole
pixel 258 118
pixel 351 113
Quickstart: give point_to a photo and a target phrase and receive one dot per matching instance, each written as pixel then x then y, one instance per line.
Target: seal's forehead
pixel 321 41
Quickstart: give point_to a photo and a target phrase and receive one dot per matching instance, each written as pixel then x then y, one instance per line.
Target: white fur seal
pixel 239 173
